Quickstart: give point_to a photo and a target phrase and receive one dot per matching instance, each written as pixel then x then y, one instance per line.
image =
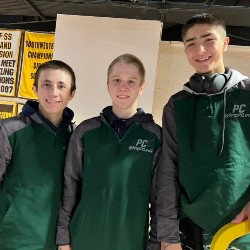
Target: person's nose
pixel 53 91
pixel 200 49
pixel 123 85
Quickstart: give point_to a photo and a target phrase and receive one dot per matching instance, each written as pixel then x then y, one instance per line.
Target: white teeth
pixel 51 101
pixel 203 59
pixel 122 96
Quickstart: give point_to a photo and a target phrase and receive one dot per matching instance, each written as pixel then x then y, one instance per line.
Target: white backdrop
pixel 89 44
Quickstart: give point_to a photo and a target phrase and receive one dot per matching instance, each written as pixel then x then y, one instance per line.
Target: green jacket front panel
pixel 31 191
pixel 114 206
pixel 213 163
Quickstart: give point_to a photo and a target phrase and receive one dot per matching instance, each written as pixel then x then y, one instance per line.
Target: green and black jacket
pixel 206 150
pixel 109 185
pixel 32 158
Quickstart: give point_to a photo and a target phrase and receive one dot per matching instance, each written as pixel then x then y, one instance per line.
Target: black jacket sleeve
pixel 5 151
pixel 167 199
pixel 72 186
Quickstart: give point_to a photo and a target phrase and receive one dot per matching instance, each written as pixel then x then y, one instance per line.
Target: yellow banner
pixel 38 48
pixel 7 109
pixel 9 54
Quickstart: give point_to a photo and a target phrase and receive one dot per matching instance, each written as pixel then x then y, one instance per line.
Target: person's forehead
pixel 124 67
pixel 200 30
pixel 52 71
pixel 49 74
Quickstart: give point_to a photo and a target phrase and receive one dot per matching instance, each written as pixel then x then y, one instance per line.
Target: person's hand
pixel 170 246
pixel 66 247
pixel 243 215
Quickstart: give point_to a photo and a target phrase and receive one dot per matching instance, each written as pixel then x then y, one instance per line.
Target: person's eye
pixel 131 82
pixel 61 86
pixel 45 84
pixel 190 45
pixel 209 40
pixel 116 81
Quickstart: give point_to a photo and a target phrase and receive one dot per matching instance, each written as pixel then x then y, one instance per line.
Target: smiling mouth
pixel 203 59
pixel 52 101
pixel 123 97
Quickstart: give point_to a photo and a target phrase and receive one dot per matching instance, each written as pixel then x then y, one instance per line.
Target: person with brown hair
pixel 32 155
pixel 204 167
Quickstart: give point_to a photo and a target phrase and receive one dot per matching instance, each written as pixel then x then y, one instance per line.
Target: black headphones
pixel 209 84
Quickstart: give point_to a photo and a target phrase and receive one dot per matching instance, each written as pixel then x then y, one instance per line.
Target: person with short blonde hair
pixel 110 171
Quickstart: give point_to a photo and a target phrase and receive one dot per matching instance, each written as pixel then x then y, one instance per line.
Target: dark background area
pixel 39 15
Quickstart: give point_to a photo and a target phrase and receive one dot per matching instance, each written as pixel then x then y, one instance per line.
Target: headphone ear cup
pixel 196 83
pixel 209 84
pixel 218 82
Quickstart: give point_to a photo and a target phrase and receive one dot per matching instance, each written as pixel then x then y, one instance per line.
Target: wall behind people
pixel 173 70
pixel 89 44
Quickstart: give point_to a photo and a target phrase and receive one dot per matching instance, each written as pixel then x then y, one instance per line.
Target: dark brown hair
pixel 56 64
pixel 203 18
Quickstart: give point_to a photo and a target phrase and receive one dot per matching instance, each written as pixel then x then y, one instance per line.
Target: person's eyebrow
pixel 61 82
pixel 189 40
pixel 194 38
pixel 47 81
pixel 206 35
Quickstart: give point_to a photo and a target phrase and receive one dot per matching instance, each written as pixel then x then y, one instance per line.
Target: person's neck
pixel 55 119
pixel 220 70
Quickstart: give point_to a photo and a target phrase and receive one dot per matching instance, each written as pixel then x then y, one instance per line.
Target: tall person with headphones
pixel 204 170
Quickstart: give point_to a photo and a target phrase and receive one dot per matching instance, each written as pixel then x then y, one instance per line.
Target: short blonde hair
pixel 129 59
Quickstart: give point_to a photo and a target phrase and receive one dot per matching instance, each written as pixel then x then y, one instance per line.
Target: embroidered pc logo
pixel 141 145
pixel 239 108
pixel 238 111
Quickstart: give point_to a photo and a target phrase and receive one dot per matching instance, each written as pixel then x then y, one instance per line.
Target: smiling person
pixel 204 169
pixel 32 156
pixel 111 169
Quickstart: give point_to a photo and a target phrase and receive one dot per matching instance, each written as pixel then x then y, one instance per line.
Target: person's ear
pixel 34 89
pixel 142 88
pixel 108 87
pixel 185 49
pixel 226 42
pixel 72 94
